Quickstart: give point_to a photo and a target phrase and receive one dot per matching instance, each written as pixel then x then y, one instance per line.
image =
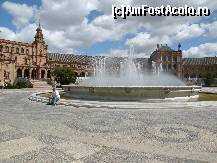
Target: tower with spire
pixel 39 50
pixel 39 38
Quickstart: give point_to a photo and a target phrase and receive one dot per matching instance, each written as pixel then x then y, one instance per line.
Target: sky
pixel 87 27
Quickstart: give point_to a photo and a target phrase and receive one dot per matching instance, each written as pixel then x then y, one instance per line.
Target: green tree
pixel 64 75
pixel 209 79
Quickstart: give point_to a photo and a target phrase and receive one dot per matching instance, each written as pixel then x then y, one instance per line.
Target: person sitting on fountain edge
pixel 54 97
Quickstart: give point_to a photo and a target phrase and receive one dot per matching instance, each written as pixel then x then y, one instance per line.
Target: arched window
pixel 193 75
pixel 34 74
pixel 27 51
pixel 1 47
pixel 6 74
pixel 82 74
pixel 22 50
pixel 42 74
pixel 48 74
pixel 19 73
pixel 17 50
pixel 26 73
pixel 186 76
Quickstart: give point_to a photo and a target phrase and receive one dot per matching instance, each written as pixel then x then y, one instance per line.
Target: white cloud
pixel 210 29
pixel 66 27
pixel 116 53
pixel 61 14
pixel 146 43
pixel 203 50
pixel 189 32
pixel 7 33
pixel 26 34
pixel 21 13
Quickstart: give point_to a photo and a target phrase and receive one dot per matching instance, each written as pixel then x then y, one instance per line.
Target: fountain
pixel 128 81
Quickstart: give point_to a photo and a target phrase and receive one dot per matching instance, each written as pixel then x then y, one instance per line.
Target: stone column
pixel 30 73
pixel 45 75
pixel 22 72
pixel 1 74
pixel 12 73
pixel 172 66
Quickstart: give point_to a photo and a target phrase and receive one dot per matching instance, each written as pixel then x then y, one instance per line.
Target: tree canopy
pixel 64 75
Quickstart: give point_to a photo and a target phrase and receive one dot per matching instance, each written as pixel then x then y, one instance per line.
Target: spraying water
pixel 126 72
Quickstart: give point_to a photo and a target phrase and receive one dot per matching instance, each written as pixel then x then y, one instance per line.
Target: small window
pixel 17 50
pixel 27 51
pixel 7 49
pixel 26 61
pixel 178 59
pixel 1 47
pixel 22 50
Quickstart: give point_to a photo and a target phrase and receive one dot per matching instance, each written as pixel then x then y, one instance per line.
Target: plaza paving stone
pixel 156 132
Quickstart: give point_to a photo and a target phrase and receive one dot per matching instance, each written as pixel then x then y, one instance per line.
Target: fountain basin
pixel 129 92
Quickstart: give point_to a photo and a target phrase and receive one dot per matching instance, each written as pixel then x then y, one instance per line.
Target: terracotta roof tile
pixel 200 61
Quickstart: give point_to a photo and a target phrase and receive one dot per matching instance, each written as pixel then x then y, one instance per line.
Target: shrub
pixel 18 84
pixel 23 84
pixel 209 79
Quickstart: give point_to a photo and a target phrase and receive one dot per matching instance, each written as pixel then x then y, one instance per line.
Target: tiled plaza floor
pixel 34 132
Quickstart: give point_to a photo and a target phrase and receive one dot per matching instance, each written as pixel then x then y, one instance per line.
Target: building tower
pixel 179 47
pixel 39 57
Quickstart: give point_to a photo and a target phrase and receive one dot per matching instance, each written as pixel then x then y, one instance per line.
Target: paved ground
pixel 35 132
pixel 210 89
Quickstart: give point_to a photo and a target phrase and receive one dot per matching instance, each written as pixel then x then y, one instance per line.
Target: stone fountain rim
pixel 81 86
